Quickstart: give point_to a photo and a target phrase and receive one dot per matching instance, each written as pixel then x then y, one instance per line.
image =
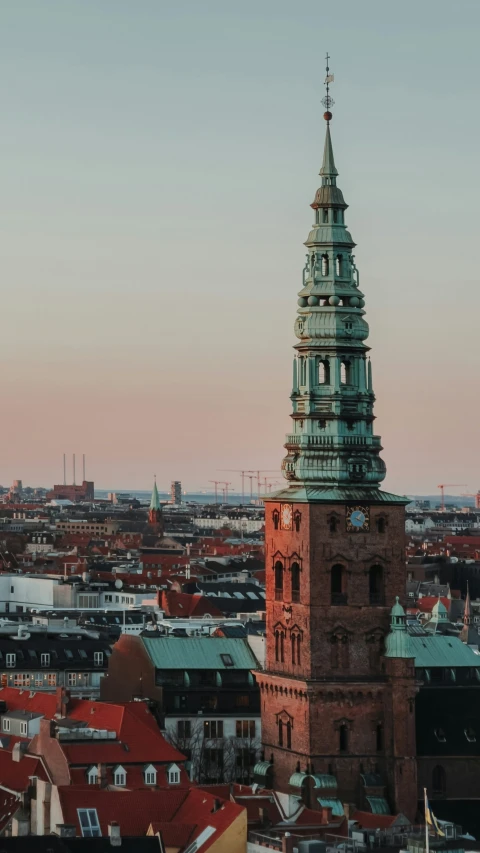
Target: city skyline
pixel 154 215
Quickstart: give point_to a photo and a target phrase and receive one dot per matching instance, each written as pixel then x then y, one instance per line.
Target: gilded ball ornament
pixel 302 302
pixel 334 300
pixel 313 300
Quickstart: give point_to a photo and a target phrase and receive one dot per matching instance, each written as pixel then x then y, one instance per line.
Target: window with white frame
pixel 119 776
pixel 45 659
pixel 92 775
pixel 98 658
pixel 89 824
pixel 173 774
pixel 150 775
pixel 6 724
pixel 11 659
pixel 23 728
pixel 72 679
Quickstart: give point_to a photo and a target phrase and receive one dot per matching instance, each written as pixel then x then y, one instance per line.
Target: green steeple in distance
pixel 397 642
pixel 155 501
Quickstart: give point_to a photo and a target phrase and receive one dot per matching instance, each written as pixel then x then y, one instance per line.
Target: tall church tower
pixel 337 714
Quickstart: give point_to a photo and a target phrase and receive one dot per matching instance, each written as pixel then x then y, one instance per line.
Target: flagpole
pixel 427 841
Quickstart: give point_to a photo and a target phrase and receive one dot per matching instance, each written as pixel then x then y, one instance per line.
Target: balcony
pixel 339 599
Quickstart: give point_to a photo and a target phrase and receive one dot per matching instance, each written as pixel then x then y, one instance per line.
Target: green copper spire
pixel 328 169
pixel 155 501
pixel 397 642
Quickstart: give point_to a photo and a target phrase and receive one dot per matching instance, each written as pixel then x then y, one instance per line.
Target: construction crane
pixel 243 471
pixel 476 496
pixel 442 488
pixel 217 484
pixel 225 485
pixel 251 477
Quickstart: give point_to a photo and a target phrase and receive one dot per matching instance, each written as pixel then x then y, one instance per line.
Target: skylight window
pixel 227 660
pixel 89 824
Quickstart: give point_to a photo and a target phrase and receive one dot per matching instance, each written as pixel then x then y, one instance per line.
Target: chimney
pixel 287 843
pixel 19 750
pixel 114 834
pixel 102 775
pixel 63 697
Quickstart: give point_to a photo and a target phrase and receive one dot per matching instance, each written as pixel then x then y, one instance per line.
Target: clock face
pixel 358 519
pixel 286 516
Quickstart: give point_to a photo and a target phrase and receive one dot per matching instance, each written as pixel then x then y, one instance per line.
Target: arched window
pixel 379 737
pixel 339 265
pixel 280 733
pixel 294 648
pixel 335 215
pixel 375 585
pixel 299 641
pixel 278 581
pixel 325 214
pixel 296 521
pixel 343 738
pixel 381 525
pixel 345 373
pixel 289 734
pixel 276 519
pixel 324 372
pixel 282 647
pixel 439 781
pixel 295 571
pixel 337 585
pixel 325 264
pixel 277 646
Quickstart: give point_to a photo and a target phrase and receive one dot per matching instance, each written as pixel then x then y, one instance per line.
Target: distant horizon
pixel 158 171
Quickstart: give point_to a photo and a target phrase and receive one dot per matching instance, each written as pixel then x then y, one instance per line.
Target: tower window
pixel 325 265
pixel 375 585
pixel 296 521
pixel 337 585
pixel 345 373
pixel 278 581
pixel 379 738
pixel 339 265
pixel 325 214
pixel 439 781
pixel 381 525
pixel 279 646
pixel 323 373
pixel 295 571
pixel 335 215
pixel 343 738
pixel 289 734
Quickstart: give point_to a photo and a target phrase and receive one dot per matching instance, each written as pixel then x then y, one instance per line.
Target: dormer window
pixel 92 775
pixel 173 774
pixel 119 776
pixel 150 775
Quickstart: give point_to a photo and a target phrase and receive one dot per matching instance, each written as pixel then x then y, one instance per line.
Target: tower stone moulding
pixel 337 714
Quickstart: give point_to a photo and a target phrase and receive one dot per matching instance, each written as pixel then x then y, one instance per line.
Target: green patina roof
pixel 379 805
pixel 262 768
pixel 441 650
pixel 198 652
pixel 328 166
pixel 155 501
pixel 325 494
pixel 297 779
pixel 325 780
pixel 335 805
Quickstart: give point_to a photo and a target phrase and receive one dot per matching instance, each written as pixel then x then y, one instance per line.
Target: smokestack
pixel 84 477
pixel 74 470
pixel 64 469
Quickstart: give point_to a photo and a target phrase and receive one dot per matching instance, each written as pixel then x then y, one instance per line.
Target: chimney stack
pixel 114 834
pixel 63 697
pixel 102 779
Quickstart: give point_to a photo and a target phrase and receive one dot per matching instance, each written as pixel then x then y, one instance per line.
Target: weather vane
pixel 327 101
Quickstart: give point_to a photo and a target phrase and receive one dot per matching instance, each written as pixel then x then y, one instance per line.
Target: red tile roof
pixel 15 775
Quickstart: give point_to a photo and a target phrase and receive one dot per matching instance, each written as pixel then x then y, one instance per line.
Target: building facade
pixel 333 706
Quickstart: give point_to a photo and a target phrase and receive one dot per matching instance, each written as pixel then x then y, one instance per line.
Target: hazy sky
pixel 157 163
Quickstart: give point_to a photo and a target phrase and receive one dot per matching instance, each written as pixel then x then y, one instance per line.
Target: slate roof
pixel 198 653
